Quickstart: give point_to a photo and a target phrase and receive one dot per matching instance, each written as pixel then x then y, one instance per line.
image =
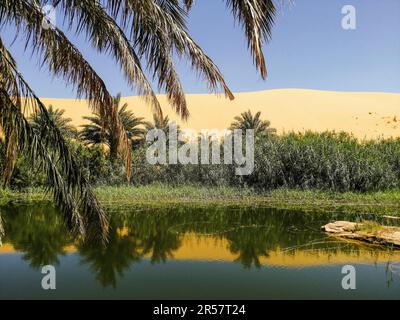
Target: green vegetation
pixel 39 123
pixel 47 152
pixel 246 121
pixel 370 227
pixel 97 134
pixel 324 161
pixel 384 203
pixel 138 35
pixel 135 235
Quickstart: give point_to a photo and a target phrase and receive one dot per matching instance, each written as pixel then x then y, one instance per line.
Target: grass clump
pixel 370 227
pixel 384 203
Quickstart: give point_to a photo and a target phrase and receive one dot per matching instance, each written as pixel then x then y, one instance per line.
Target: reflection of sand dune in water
pixel 202 248
pixel 364 114
pixel 6 248
pixel 205 248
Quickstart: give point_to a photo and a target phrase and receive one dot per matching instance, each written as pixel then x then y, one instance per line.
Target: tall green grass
pixel 327 161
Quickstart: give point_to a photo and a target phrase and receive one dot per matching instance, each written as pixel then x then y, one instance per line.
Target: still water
pixel 192 253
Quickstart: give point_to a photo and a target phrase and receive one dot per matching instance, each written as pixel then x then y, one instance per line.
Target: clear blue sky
pixel 309 50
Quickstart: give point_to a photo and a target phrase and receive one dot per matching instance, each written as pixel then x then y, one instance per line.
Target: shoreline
pixel 381 202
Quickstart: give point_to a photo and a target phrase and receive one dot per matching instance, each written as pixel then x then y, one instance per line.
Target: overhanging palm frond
pixel 106 35
pixel 65 60
pixel 158 52
pixel 158 32
pixel 148 18
pixel 189 4
pixel 70 189
pixel 10 141
pixel 257 18
pixel 10 84
pixel 61 56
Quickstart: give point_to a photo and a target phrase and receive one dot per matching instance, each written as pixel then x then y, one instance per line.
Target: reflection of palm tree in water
pixel 108 262
pixel 39 233
pixel 156 240
pixel 42 236
pixel 160 245
pixel 253 233
pixel 251 245
pixel 130 240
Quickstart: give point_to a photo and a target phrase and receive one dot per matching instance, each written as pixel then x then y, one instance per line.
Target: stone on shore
pixel 385 236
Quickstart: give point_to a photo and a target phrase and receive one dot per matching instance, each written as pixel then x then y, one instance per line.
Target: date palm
pixel 132 32
pixel 39 123
pixel 163 123
pixel 94 133
pixel 159 122
pixel 247 121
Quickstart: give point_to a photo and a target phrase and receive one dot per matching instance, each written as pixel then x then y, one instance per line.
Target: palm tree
pixel 38 122
pixel 132 32
pixel 94 134
pixel 160 122
pixel 247 121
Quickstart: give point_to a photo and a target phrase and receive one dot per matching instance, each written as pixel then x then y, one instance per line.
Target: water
pixel 192 253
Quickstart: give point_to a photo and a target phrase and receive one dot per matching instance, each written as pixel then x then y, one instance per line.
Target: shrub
pixel 328 161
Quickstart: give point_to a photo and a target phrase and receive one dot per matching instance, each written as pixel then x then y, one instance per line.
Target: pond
pixel 181 252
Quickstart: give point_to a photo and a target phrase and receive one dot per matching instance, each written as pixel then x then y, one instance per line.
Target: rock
pixel 340 226
pixel 392 217
pixel 386 236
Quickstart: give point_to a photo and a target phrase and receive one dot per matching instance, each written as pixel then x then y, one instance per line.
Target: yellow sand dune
pixel 366 115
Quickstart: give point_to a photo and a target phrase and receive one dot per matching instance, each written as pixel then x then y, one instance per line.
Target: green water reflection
pixel 207 238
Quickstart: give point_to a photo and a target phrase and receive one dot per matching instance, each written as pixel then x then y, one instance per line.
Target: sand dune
pixel 366 115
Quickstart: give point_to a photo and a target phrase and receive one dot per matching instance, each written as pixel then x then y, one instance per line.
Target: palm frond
pixel 62 57
pixel 148 19
pixel 93 133
pixel 10 142
pixel 65 60
pixel 71 191
pixel 188 4
pixel 257 19
pixel 39 123
pixel 248 121
pixel 106 35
